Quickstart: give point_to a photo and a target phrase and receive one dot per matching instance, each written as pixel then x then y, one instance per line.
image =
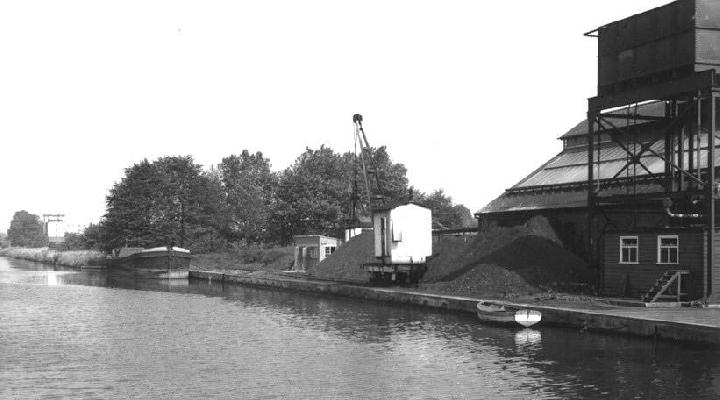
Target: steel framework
pixel 685 190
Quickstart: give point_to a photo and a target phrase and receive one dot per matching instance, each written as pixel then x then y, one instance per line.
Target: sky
pixel 469 95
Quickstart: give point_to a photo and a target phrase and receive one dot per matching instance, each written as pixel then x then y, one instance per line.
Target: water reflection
pixel 528 339
pixel 52 278
pixel 344 346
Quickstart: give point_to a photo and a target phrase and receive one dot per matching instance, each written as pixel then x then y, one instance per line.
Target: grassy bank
pixel 245 259
pixel 70 258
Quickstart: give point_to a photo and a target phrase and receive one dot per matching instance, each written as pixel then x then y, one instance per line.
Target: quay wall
pixel 392 295
pixel 601 320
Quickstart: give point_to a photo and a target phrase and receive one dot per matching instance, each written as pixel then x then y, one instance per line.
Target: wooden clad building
pixel 635 259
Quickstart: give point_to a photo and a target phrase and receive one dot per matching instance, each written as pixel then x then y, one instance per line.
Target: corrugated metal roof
pixel 570 166
pixel 525 201
pixel 655 109
pixel 566 197
pixel 559 183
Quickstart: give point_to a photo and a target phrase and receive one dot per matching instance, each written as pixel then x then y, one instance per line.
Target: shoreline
pixel 667 323
pixel 84 259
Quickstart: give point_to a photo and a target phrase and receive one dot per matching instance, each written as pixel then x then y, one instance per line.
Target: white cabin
pixel 403 234
pixel 311 249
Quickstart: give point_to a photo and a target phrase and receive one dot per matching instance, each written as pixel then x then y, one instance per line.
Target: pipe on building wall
pixel 674 215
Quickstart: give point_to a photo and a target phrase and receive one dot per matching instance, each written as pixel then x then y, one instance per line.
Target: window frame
pixel 660 247
pixel 329 250
pixel 636 247
pixel 397 235
pixel 312 252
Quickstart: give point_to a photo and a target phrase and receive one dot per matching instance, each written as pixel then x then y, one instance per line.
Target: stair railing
pixel 664 283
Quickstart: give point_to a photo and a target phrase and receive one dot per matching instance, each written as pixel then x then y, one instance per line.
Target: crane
pixel 401 268
pixel 371 174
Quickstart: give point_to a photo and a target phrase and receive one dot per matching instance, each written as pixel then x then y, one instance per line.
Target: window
pixel 329 250
pixel 312 252
pixel 396 234
pixel 667 249
pixel 628 249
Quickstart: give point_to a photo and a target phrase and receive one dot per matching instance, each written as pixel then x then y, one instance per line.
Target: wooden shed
pixel 311 249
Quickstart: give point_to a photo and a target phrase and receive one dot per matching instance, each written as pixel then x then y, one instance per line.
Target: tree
pixel 89 239
pixel 26 230
pixel 250 188
pixel 209 230
pixel 169 201
pixel 393 182
pixel 131 209
pixel 310 196
pixel 180 206
pixel 314 195
pixel 92 237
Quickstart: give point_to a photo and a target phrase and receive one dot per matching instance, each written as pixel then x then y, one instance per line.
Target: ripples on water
pixel 81 335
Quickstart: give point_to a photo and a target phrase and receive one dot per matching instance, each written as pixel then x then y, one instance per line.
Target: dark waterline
pixel 82 335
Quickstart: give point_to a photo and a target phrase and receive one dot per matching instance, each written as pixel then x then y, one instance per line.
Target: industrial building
pixel 634 189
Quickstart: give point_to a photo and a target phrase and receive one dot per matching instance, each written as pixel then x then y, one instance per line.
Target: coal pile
pixel 500 261
pixel 506 262
pixel 345 264
pixel 452 255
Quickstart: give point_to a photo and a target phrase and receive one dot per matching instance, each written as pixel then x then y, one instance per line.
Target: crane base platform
pixel 395 273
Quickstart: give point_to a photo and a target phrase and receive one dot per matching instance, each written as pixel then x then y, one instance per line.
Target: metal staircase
pixel 668 287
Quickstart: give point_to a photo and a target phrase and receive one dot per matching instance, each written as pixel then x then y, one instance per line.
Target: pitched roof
pixel 653 109
pixel 395 204
pixel 560 182
pixel 556 198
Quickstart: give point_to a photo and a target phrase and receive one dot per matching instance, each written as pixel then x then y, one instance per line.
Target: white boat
pixel 496 313
pixel 527 318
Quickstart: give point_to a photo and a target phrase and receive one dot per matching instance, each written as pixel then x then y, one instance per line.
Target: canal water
pixel 79 334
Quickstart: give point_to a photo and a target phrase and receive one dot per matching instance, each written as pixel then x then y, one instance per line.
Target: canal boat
pixel 167 262
pixel 500 314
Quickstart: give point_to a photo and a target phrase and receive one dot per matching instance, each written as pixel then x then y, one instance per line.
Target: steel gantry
pixel 669 172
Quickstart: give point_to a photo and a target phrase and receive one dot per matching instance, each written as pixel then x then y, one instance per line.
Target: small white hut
pixel 403 234
pixel 311 249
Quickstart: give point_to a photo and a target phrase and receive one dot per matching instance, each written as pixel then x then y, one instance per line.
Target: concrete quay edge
pixel 583 319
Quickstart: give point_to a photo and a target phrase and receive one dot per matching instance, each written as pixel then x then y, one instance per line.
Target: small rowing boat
pixel 488 312
pixel 500 314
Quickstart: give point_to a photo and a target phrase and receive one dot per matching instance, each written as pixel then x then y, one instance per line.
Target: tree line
pixel 241 201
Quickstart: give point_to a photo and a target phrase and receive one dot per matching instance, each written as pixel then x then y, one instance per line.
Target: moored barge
pixel 156 263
